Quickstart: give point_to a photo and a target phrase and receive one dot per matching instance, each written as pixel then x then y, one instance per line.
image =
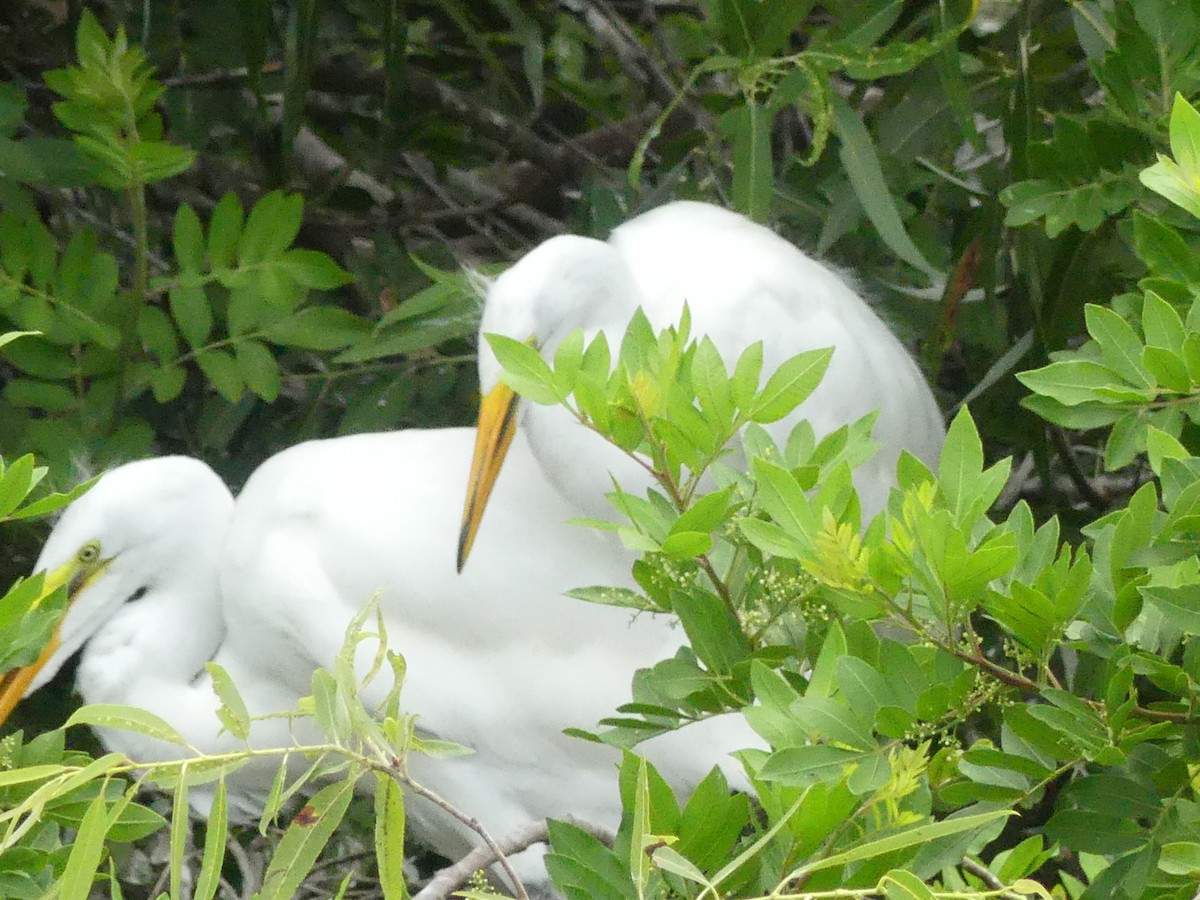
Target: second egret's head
pixel 141 526
pixel 565 283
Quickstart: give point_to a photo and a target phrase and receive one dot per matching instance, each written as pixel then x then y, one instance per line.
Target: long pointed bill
pixel 15 682
pixel 497 425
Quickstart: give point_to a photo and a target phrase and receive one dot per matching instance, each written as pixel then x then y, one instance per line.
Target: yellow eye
pixel 88 553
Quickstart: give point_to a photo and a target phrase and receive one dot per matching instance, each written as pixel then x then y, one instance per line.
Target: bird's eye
pixel 89 552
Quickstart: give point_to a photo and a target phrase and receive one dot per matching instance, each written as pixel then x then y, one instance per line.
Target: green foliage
pixel 1040 672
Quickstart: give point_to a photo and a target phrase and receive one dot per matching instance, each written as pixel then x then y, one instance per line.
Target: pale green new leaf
pixel 389 837
pixel 233 713
pixel 524 369
pixel 10 336
pixel 126 718
pixel 790 385
pixel 910 837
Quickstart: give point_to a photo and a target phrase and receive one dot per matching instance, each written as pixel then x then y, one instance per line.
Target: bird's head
pixel 141 525
pixel 563 284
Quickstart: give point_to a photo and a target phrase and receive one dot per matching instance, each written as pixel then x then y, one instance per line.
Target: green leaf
pixel 222 372
pixel 568 361
pixel 785 502
pixel 167 382
pixel 10 336
pixel 712 630
pixel 1161 324
pixel 215 836
pixel 189 241
pixel 1072 381
pixel 524 369
pixel 1163 250
pixel 389 837
pixel 791 385
pixel 1082 416
pixel 1088 831
pixel 901 885
pixel 582 867
pixel 1185 135
pixel 1167 368
pixel 1169 180
pixel 862 688
pixel 909 837
pixel 125 718
pixel 686 544
pixel 961 464
pixel 192 313
pixel 318 328
pixel 1119 342
pixel 706 514
pixel 181 828
pixel 233 713
pixel 304 840
pixel 224 232
pixel 271 227
pixel 753 168
pixel 861 162
pixel 157 333
pixel 770 538
pixel 87 850
pixel 746 374
pixel 16 482
pixel 258 368
pixel 313 269
pixel 1180 858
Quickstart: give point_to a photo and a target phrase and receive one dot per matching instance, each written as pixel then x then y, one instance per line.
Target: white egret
pixel 167 572
pixel 742 283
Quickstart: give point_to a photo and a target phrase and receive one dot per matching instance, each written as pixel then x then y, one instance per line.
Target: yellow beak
pixel 497 425
pixel 15 682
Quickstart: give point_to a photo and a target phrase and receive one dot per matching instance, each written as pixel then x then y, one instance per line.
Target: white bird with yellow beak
pixel 742 283
pixel 167 572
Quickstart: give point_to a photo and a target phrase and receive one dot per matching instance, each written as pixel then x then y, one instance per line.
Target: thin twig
pixel 449 879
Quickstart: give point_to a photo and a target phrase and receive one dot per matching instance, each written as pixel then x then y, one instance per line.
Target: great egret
pixel 167 572
pixel 742 283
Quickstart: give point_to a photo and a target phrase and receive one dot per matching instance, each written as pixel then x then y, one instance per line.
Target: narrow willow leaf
pixel 233 713
pixel 389 837
pixel 215 836
pixel 181 828
pixel 861 162
pixel 304 840
pixel 86 853
pixel 910 837
pixel 126 718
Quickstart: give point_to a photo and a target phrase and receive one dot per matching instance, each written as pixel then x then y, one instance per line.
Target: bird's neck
pixel 155 645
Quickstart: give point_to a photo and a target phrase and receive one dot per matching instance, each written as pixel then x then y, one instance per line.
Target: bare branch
pixel 454 876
